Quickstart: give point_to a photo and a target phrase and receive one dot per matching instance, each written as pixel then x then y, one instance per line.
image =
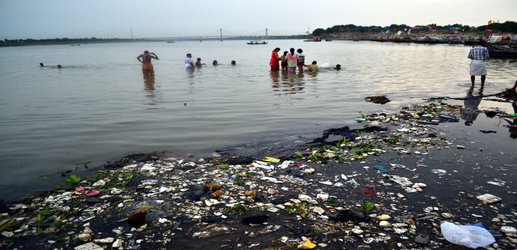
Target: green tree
pixel 318 32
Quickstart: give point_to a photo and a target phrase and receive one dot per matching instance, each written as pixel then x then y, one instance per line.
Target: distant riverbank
pixel 79 41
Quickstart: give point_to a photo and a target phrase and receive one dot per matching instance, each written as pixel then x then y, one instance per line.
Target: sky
pixel 47 19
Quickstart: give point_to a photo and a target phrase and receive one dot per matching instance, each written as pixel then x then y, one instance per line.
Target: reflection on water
pixel 471 104
pixel 149 82
pixel 287 83
pixel 512 123
pixel 150 89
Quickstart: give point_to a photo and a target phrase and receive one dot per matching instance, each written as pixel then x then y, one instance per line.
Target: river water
pixel 98 107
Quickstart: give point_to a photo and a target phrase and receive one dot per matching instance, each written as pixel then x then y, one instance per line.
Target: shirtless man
pixel 145 59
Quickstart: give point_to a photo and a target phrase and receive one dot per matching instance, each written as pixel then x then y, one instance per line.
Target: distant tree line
pixel 508 26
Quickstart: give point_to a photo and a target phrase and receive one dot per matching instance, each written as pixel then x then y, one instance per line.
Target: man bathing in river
pixel 147 66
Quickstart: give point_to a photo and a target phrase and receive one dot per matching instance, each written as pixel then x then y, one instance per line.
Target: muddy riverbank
pixel 388 182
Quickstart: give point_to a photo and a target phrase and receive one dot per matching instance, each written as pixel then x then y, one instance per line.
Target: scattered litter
pixel 422 239
pixel 448 118
pixel 353 183
pixel 381 169
pixel 469 236
pixel 488 198
pixel 497 182
pixel 271 159
pixel 368 190
pixel 508 230
pixel 403 181
pixel 377 99
pixel 307 245
pixel 439 171
pixel 323 193
pixel 87 191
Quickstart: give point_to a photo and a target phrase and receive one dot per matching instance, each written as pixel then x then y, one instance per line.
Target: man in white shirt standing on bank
pixel 479 55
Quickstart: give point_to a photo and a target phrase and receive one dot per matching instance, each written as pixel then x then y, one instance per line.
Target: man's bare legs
pixel 473 79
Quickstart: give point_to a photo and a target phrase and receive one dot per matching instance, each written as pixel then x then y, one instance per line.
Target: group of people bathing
pixel 290 61
pixel 147 66
pixel 189 63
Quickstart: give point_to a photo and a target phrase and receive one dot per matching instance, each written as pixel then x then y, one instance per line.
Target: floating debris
pixel 343 190
pixel 488 198
pixel 377 99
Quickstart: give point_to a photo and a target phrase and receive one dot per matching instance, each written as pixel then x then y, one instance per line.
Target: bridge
pixel 229 35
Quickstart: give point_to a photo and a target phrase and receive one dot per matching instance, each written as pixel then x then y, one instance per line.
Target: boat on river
pixel 257 42
pixel 502 51
pixel 314 39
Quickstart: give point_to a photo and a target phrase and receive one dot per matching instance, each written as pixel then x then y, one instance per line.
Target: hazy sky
pixel 21 19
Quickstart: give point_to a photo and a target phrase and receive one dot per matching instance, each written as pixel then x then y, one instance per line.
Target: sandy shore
pixel 387 182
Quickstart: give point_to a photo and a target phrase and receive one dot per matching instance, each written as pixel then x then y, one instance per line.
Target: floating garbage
pixel 466 235
pixel 403 181
pixel 174 202
pixel 87 191
pixel 89 246
pixel 497 182
pixel 377 99
pixel 384 217
pixel 488 198
pixel 448 118
pixel 306 245
pixel 349 215
pixel 353 183
pixel 422 239
pixel 368 190
pixel 271 159
pixel 439 171
pixel 381 169
pixel 508 230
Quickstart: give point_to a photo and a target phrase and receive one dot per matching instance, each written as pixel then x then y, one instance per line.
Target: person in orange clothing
pixel 147 66
pixel 273 62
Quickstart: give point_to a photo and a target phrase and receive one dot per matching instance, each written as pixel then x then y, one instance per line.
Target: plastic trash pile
pixel 332 194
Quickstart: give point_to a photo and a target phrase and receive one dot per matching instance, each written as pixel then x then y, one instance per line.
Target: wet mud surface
pixel 387 182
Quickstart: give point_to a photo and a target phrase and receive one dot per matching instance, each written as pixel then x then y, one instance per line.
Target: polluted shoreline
pixel 394 180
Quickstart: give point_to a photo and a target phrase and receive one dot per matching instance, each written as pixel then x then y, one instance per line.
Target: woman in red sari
pixel 275 66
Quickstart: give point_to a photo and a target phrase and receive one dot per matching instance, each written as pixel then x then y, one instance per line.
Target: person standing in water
pixel 292 61
pixel 189 63
pixel 283 58
pixel 273 62
pixel 145 59
pixel 300 57
pixel 199 63
pixel 478 54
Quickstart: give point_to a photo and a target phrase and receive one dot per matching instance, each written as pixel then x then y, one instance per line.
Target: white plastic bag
pixel 469 236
